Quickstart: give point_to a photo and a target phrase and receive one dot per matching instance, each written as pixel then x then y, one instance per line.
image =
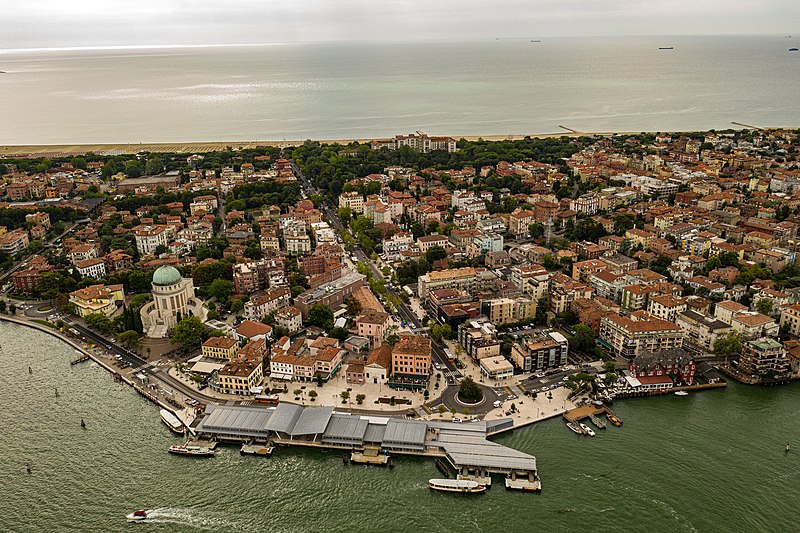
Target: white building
pixel 173 296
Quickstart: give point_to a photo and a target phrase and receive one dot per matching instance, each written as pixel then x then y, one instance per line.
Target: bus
pixel 270 399
pixel 449 355
pixel 408 290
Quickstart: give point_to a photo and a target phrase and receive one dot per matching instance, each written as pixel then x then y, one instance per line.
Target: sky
pixel 98 23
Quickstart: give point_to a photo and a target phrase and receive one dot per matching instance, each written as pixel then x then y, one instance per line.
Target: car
pixel 511 397
pixel 497 403
pixel 202 386
pixel 545 388
pixel 437 366
pixel 540 375
pixel 457 420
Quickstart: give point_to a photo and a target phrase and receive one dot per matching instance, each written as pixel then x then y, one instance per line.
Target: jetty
pixel 368 439
pixel 81 358
pixel 585 411
pixel 257 449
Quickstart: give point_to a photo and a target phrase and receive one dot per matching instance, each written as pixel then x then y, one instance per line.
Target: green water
pixel 712 461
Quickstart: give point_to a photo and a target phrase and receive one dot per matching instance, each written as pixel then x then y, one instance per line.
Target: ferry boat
pixel 681 393
pixel 194 451
pixel 613 419
pixel 574 427
pixel 137 516
pixel 587 430
pixel 172 421
pixel 456 485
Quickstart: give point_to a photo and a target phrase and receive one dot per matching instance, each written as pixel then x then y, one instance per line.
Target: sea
pixel 711 461
pixel 367 90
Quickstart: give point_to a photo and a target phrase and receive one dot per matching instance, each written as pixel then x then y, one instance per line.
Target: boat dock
pixel 81 358
pixel 257 449
pixel 369 439
pixel 370 456
pixel 585 411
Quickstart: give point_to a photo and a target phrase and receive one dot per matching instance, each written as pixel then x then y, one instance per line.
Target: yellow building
pixel 220 348
pixel 240 376
pixel 101 299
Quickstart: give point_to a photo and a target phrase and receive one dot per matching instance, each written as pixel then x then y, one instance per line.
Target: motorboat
pixel 574 427
pixel 138 516
pixel 589 431
pixel 464 486
pixel 681 393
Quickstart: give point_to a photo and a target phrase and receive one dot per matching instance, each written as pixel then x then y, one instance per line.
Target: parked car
pixel 457 420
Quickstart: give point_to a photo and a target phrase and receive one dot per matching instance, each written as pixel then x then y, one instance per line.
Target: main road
pixel 406 313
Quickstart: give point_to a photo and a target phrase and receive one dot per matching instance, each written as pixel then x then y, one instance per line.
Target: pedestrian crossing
pixel 452 374
pixel 246 402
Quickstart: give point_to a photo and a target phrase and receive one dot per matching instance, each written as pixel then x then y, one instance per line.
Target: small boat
pixel 83 424
pixel 794 49
pixel 681 393
pixel 597 422
pixel 613 419
pixel 587 430
pixel 665 47
pixel 194 451
pixel 464 486
pixel 137 516
pixel 172 421
pixel 574 427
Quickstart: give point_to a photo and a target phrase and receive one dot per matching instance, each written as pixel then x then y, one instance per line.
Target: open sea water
pixel 712 461
pixel 345 91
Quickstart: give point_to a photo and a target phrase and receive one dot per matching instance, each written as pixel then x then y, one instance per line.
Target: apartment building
pixel 537 353
pixel 628 336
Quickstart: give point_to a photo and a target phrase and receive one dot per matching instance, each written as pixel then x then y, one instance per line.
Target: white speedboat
pixel 137 516
pixel 456 485
pixel 194 451
pixel 589 431
pixel 574 427
pixel 681 393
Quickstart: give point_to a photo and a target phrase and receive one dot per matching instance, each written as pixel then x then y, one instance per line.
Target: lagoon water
pixel 712 461
pixel 362 90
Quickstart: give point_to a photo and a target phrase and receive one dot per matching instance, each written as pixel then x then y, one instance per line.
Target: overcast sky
pixel 68 23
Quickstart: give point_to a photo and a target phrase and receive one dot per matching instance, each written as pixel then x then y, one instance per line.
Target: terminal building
pixel 465 446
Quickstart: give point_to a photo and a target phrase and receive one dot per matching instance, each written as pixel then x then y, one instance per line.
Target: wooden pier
pixel 370 456
pixel 585 411
pixel 83 357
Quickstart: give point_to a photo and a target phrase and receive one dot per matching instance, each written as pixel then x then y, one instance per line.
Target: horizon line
pixel 364 41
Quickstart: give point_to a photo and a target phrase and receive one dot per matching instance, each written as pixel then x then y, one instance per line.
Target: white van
pixel 497 403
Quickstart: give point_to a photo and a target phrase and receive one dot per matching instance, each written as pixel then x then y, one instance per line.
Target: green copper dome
pixel 166 275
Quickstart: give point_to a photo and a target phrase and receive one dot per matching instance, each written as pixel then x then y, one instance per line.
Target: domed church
pixel 173 298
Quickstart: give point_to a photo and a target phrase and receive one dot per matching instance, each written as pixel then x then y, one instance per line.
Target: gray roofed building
pixel 284 418
pixel 235 421
pixel 312 421
pixel 343 429
pixel 405 434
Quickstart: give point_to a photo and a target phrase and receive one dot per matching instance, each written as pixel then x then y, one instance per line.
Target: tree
pixel 583 340
pixel 345 396
pixel 189 332
pixel 154 166
pixel 339 333
pixel 221 289
pixel 609 366
pixel 442 409
pixel 298 392
pixel 321 316
pixel 344 215
pixel 439 332
pixel 360 398
pixel 129 339
pixel 469 391
pixel 313 395
pixel 435 253
pixel 2 306
pixel 353 306
pixel 133 169
pixel 392 339
pixel 764 306
pixel 99 322
pixel 729 344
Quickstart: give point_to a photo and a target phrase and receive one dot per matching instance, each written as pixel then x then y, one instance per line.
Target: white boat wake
pixel 188 517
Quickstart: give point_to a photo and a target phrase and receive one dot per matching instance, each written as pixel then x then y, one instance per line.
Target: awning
pixel 278 375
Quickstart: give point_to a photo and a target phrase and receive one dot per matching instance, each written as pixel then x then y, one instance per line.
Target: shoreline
pixel 74 149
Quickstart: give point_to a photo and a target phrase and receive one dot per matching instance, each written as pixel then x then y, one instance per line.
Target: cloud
pixel 54 23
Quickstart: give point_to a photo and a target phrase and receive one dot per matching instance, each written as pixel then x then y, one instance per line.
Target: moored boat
pixel 613 419
pixel 574 427
pixel 137 516
pixel 256 449
pixel 194 451
pixel 172 421
pixel 681 393
pixel 597 422
pixel 464 486
pixel 587 430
